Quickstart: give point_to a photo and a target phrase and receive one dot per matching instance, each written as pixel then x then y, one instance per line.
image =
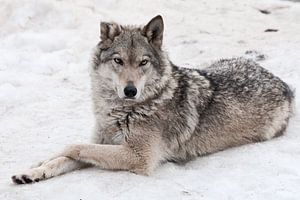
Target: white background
pixel 45 103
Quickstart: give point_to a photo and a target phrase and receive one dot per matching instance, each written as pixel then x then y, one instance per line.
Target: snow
pixel 45 104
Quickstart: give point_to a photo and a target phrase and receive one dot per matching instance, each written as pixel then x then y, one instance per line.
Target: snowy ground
pixel 45 101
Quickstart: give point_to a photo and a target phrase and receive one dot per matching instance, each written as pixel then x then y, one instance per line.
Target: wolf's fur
pixel 178 113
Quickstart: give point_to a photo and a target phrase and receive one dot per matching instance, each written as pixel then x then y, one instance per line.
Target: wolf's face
pixel 131 58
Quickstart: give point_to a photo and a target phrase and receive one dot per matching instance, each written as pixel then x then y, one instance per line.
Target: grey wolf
pixel 149 111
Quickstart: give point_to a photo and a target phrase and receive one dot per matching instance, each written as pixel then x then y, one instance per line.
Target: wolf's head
pixel 129 63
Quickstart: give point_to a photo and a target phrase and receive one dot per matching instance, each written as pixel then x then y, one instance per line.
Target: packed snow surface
pixel 45 103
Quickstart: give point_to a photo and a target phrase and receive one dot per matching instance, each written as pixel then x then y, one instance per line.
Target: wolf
pixel 149 111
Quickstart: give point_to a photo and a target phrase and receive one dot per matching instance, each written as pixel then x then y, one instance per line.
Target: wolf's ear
pixel 109 31
pixel 154 31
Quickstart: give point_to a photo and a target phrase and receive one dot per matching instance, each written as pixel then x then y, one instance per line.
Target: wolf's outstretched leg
pixel 113 157
pixel 48 169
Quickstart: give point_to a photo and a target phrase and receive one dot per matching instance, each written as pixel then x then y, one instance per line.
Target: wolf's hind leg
pixel 54 167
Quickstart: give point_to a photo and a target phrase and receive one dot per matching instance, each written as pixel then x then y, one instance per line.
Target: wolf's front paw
pixel 32 175
pixel 72 151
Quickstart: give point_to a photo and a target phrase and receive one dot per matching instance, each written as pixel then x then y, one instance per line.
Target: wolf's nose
pixel 130 91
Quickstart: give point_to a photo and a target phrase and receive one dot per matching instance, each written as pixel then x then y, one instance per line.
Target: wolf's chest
pixel 115 129
pixel 114 138
pixel 122 122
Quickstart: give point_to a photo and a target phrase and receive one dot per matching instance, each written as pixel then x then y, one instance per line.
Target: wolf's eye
pixel 118 61
pixel 144 62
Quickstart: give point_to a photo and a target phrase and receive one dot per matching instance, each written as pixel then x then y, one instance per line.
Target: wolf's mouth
pixel 129 98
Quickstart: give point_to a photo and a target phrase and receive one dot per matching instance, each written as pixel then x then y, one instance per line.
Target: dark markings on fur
pixel 44 175
pixel 287 92
pixel 282 130
pixel 181 90
pixel 128 121
pixel 212 87
pixel 158 61
pixel 36 180
pixel 96 57
pixel 16 180
pixel 118 124
pixel 160 92
pixel 26 179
